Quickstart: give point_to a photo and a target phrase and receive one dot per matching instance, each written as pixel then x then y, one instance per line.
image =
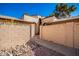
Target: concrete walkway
pixel 56 47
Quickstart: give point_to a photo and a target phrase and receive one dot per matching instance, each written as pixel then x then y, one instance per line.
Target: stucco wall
pixel 49 19
pixel 54 33
pixel 76 34
pixel 30 19
pixel 13 34
pixel 32 30
pixel 69 34
pixel 60 33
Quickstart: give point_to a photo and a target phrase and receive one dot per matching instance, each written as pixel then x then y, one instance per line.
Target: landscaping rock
pixel 31 48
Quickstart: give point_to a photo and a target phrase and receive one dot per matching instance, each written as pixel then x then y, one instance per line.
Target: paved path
pixel 59 48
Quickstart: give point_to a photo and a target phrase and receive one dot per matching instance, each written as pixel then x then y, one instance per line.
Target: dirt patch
pixel 31 48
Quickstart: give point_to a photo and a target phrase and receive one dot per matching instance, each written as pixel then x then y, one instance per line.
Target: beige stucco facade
pixel 15 32
pixel 76 34
pixel 30 18
pixel 64 32
pixel 18 32
pixel 49 19
pixel 35 19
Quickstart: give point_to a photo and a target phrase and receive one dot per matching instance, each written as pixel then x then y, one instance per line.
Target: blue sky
pixel 18 9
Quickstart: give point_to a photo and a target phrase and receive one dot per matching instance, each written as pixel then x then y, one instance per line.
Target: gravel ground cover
pixel 31 48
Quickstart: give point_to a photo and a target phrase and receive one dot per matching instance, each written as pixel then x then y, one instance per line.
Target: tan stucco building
pixel 35 19
pixel 61 31
pixel 15 32
pixel 18 31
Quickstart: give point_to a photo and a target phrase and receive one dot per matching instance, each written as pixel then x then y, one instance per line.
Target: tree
pixel 63 10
